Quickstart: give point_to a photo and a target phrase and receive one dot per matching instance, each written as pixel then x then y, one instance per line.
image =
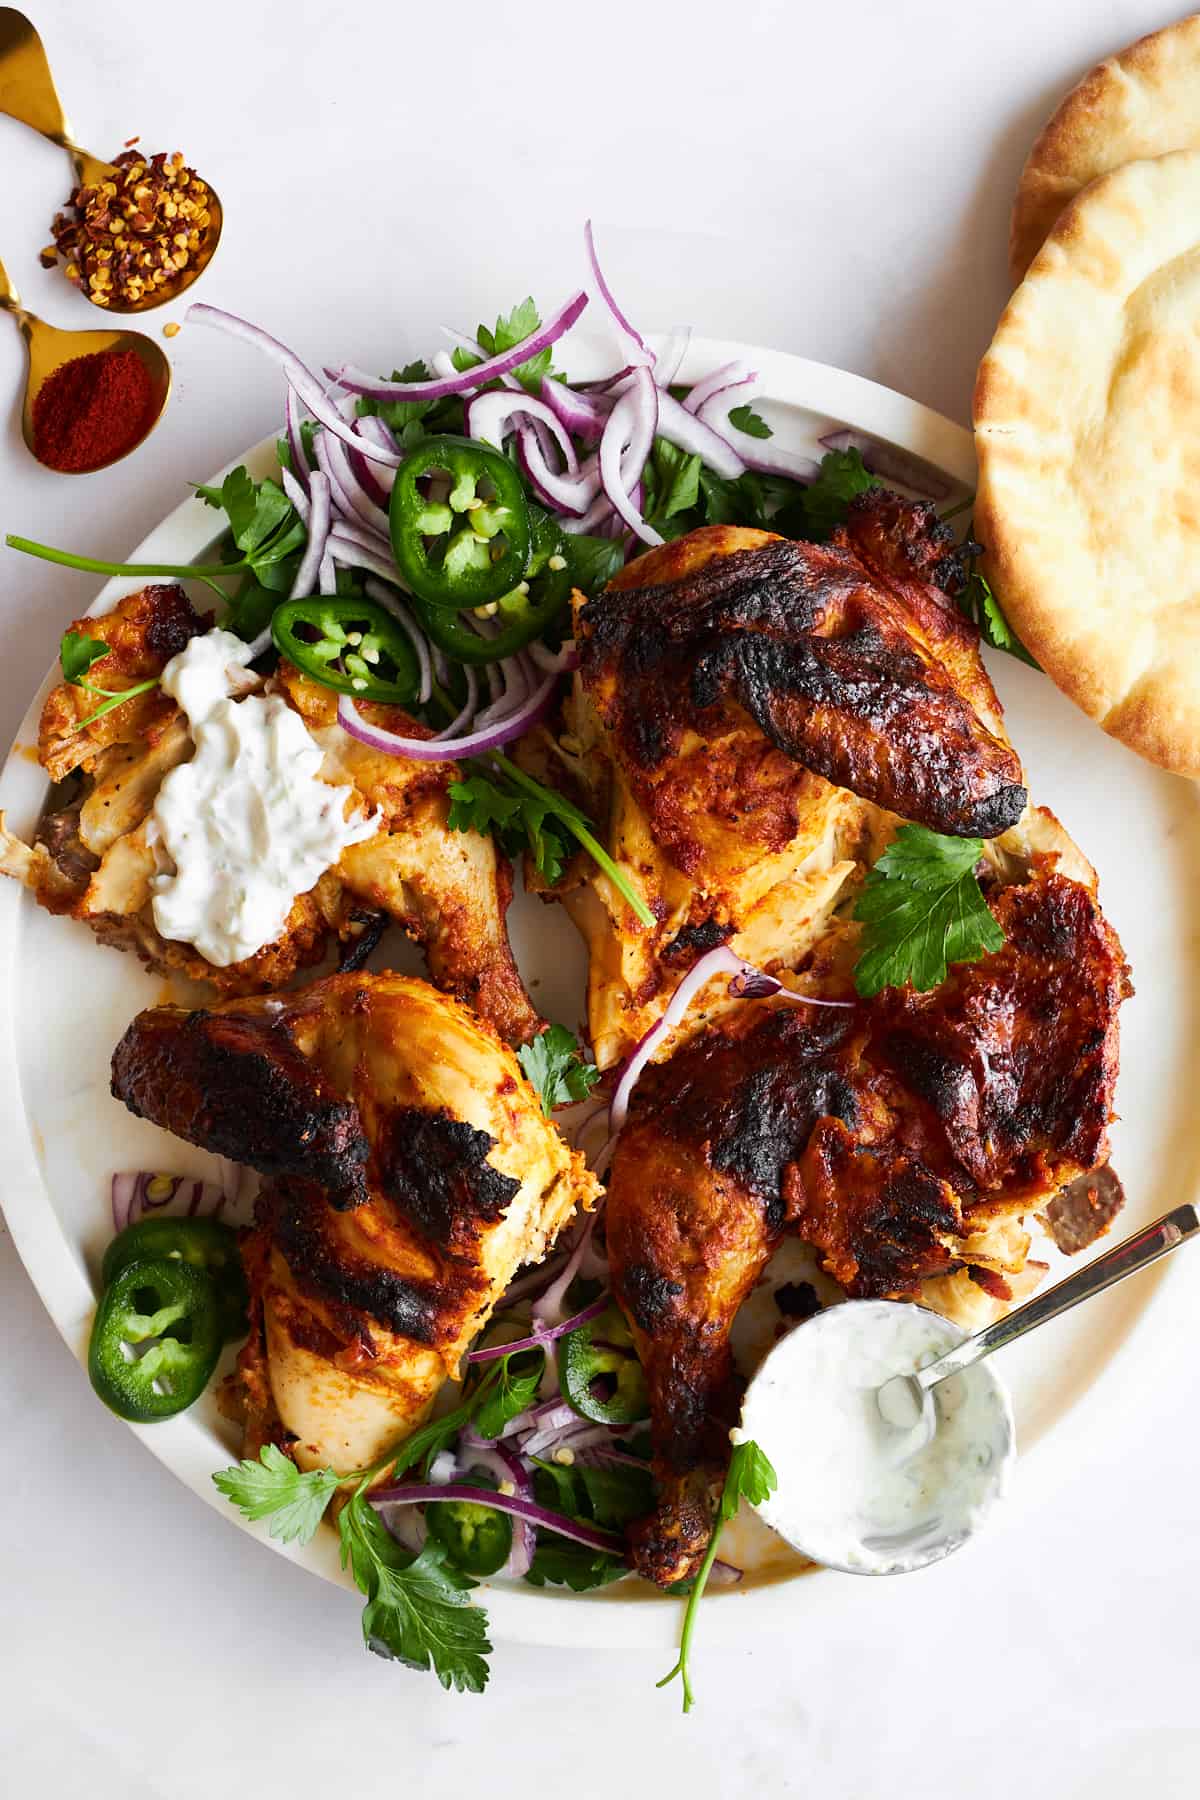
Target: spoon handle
pixel 27 91
pixel 1136 1252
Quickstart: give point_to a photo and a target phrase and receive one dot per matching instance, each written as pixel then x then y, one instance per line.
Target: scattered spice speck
pixel 121 239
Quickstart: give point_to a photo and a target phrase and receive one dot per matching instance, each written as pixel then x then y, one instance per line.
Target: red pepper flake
pixel 130 142
pixel 92 410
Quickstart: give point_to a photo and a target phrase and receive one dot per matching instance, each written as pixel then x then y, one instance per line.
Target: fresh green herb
pixel 554 1064
pixel 824 504
pixel 283 450
pixel 417 1610
pixel 617 1495
pixel 922 908
pixel 593 561
pixel 560 1562
pixel 513 1392
pixel 520 323
pixel 414 420
pixel 274 1488
pixel 672 480
pixel 77 653
pixel 264 525
pixel 540 821
pixel 744 418
pixel 751 1478
pixel 981 606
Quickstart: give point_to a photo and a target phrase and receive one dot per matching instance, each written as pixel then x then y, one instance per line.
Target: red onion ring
pixel 582 414
pixel 730 374
pixel 421 1494
pixel 442 749
pixel 697 438
pixel 387 597
pixel 559 323
pixel 295 439
pixel 644 355
pixel 891 463
pixel 318 536
pixel 539 1337
pixel 624 448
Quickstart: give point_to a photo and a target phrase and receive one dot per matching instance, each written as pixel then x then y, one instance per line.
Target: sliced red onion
pixel 295 440
pixel 555 662
pixel 669 361
pixel 348 492
pixel 490 417
pixel 318 536
pixel 597 515
pixel 365 478
pixel 891 463
pixel 548 1309
pixel 124 1188
pixel 327 583
pixel 353 550
pixel 724 1574
pixel 640 352
pixel 421 1494
pixel 131 1196
pixel 377 432
pixel 756 984
pixel 515 674
pixel 582 414
pixel 443 1469
pixel 624 447
pixel 567 494
pixel 466 713
pixel 550 1416
pixel 687 432
pixel 407 1526
pixel 541 1336
pixel 554 328
pixel 730 374
pixel 476 743
pixel 391 602
pixel 295 493
pixel 302 379
pixel 757 453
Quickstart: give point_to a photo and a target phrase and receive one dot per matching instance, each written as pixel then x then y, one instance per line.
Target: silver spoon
pixel 903 1399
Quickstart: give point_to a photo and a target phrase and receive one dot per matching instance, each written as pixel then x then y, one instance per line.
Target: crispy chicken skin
pixel 94 856
pixel 746 709
pixel 410 1172
pixel 903 1137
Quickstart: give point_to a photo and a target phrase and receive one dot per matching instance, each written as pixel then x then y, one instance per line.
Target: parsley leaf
pixel 676 480
pixel 560 1562
pixel 263 523
pixel 593 561
pixel 981 606
pixel 750 1478
pixel 274 1488
pixel 744 418
pixel 514 1391
pixel 554 1063
pixel 417 1610
pixel 617 1494
pixel 519 324
pixel 544 822
pixel 77 653
pixel 922 908
pixel 824 503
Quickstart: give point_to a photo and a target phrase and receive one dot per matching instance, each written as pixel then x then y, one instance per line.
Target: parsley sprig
pixel 922 908
pixel 523 814
pixel 555 1065
pixel 77 654
pixel 979 604
pixel 751 1477
pixel 417 1611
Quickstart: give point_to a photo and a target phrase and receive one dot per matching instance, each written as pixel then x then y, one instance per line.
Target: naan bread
pixel 1087 424
pixel 1144 101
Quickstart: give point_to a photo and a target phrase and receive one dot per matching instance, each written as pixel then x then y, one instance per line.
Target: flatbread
pixel 1144 101
pixel 1087 426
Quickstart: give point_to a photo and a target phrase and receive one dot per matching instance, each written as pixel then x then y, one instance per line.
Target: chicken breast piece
pixel 95 856
pixel 410 1170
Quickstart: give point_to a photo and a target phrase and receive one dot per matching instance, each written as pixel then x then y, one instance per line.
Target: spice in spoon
pixel 92 410
pixel 133 234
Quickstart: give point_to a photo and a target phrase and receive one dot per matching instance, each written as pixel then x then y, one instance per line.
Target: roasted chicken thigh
pixel 409 1171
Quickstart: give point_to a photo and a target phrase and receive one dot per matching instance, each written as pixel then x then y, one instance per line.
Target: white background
pixel 830 179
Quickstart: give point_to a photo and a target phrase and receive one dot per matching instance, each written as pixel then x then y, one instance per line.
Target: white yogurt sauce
pixel 248 824
pixel 859 1491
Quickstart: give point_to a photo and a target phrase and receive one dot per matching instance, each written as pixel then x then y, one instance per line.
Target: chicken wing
pixel 410 1171
pixel 95 855
pixel 904 1137
pixel 745 710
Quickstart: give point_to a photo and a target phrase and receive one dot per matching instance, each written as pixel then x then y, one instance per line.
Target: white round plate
pixel 65 1000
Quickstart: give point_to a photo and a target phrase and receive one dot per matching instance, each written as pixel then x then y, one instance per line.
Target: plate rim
pixel 605 1619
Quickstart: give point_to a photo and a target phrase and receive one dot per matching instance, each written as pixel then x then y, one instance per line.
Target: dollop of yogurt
pixel 248 823
pixel 873 1490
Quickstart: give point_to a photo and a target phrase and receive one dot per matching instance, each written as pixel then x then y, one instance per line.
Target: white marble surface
pixel 831 180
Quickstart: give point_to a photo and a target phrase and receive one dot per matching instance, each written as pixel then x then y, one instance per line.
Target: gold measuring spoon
pixel 49 348
pixel 27 93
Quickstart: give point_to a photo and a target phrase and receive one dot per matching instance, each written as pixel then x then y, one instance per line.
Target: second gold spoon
pixel 49 348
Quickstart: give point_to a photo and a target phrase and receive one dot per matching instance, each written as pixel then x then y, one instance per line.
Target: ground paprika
pixel 92 410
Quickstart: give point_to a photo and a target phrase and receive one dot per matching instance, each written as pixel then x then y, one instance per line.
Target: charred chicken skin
pixel 748 714
pixel 903 1137
pixel 409 1171
pixel 94 856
